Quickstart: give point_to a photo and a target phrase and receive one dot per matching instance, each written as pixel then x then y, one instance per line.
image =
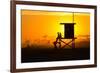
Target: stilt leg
pixel 73 43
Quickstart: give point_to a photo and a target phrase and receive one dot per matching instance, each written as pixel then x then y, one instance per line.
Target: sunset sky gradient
pixel 41 27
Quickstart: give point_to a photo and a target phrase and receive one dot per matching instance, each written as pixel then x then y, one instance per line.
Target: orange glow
pixel 41 27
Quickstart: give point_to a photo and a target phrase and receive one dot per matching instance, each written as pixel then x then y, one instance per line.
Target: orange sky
pixel 41 27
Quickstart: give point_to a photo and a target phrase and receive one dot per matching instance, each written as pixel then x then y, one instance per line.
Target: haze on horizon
pixel 41 27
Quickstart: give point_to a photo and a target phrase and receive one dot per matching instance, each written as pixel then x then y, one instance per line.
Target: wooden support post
pixel 73 43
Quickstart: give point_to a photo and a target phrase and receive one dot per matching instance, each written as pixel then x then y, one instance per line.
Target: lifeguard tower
pixel 68 34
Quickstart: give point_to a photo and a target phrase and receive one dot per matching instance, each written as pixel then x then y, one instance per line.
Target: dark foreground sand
pixel 42 55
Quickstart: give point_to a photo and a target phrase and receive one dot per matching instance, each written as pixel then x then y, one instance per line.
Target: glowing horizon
pixel 44 25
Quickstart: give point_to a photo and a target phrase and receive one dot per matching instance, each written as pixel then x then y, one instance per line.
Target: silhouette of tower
pixel 68 34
